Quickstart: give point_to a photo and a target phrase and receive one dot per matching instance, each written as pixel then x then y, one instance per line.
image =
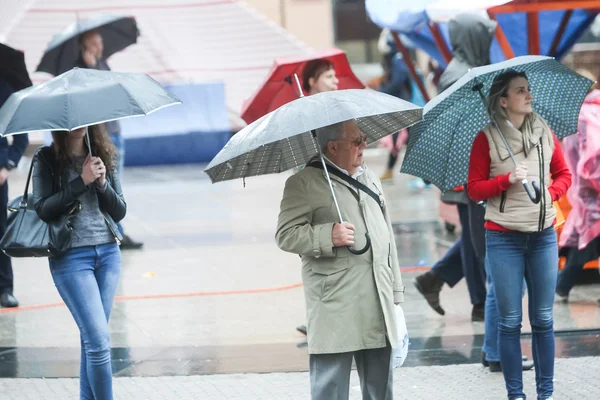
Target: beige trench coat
pixel 349 298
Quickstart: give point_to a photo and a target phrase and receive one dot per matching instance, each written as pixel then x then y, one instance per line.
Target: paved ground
pixel 576 379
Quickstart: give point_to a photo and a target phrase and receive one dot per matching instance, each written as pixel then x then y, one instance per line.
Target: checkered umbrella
pixel 283 139
pixel 439 147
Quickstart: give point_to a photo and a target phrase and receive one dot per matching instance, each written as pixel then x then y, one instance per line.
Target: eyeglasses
pixel 358 141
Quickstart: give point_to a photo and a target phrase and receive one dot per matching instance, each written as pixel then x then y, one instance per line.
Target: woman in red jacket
pixel 520 238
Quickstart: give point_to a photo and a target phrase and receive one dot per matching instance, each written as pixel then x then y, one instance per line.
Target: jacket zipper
pixel 542 188
pixel 502 201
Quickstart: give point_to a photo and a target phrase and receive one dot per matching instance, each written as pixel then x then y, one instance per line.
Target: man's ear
pixel 332 147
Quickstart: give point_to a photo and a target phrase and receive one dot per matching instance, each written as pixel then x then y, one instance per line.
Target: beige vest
pixel 513 209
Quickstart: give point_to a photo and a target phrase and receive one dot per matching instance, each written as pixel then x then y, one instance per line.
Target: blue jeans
pixel 512 256
pixel 119 143
pixel 86 279
pixel 490 337
pixel 461 261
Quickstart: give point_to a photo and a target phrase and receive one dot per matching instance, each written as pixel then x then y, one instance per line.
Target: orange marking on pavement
pixel 414 269
pixel 183 295
pixel 161 296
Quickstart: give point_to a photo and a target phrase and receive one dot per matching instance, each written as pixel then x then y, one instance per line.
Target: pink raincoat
pixel 582 154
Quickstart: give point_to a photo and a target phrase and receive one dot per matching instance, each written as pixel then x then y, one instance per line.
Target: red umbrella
pixel 280 88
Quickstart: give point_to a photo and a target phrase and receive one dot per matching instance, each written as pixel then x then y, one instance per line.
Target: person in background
pixel 580 236
pixel 91 56
pixel 10 154
pixel 471 37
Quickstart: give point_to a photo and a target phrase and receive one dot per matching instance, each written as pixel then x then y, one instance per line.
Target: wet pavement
pixel 210 292
pixel 576 379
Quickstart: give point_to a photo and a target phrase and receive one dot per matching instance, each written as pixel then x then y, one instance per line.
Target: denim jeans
pixel 512 256
pixel 490 338
pixel 119 143
pixel 461 261
pixel 86 279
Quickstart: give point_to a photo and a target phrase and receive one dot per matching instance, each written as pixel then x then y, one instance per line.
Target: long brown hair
pixel 102 147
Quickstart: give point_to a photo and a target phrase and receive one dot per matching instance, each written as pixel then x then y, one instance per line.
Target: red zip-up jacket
pixel 481 187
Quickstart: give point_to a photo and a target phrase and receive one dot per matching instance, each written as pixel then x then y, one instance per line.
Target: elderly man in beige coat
pixel 350 298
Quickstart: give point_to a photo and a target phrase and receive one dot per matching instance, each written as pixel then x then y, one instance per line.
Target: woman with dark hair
pixel 520 237
pixel 319 76
pixel 86 275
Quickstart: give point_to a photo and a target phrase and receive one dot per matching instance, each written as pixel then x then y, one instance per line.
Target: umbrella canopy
pixel 61 55
pixel 82 97
pixel 439 147
pixel 13 69
pixel 413 18
pixel 279 88
pixel 283 139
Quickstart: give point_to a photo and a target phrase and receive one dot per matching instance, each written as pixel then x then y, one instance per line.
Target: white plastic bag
pixel 401 351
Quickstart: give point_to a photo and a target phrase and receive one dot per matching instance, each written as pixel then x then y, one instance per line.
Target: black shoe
pixel 495 366
pixel 478 313
pixel 8 300
pixel 429 285
pixel 484 362
pixel 301 329
pixel 129 244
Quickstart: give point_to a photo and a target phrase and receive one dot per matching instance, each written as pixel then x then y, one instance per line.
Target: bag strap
pixel 26 193
pixel 353 182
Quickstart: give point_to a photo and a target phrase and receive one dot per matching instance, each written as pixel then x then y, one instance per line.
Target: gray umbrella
pixel 82 97
pixel 118 32
pixel 284 138
pixel 287 138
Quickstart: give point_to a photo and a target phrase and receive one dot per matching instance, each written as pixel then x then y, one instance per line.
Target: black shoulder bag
pixel 28 236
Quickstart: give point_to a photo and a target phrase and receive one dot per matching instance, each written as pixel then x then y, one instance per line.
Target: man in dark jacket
pixel 10 154
pixel 92 48
pixel 471 38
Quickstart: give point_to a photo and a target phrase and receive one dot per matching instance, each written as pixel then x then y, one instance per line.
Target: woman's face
pixel 518 97
pixel 326 82
pixel 77 133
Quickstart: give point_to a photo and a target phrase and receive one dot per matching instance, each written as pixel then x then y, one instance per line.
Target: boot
pixel 8 300
pixel 430 285
pixel 129 244
pixel 388 175
pixel 478 313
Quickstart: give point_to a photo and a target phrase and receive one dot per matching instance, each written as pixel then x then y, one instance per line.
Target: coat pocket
pixel 331 265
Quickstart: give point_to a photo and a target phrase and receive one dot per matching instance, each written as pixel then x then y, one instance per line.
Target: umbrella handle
pixel 363 250
pixel 534 194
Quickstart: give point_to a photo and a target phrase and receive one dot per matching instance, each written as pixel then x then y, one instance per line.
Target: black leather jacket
pixel 53 195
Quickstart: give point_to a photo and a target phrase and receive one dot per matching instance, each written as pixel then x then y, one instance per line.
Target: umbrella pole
pixel 337 207
pixel 535 193
pixel 87 140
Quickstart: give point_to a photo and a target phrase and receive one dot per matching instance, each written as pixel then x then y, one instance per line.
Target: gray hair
pixel 328 134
